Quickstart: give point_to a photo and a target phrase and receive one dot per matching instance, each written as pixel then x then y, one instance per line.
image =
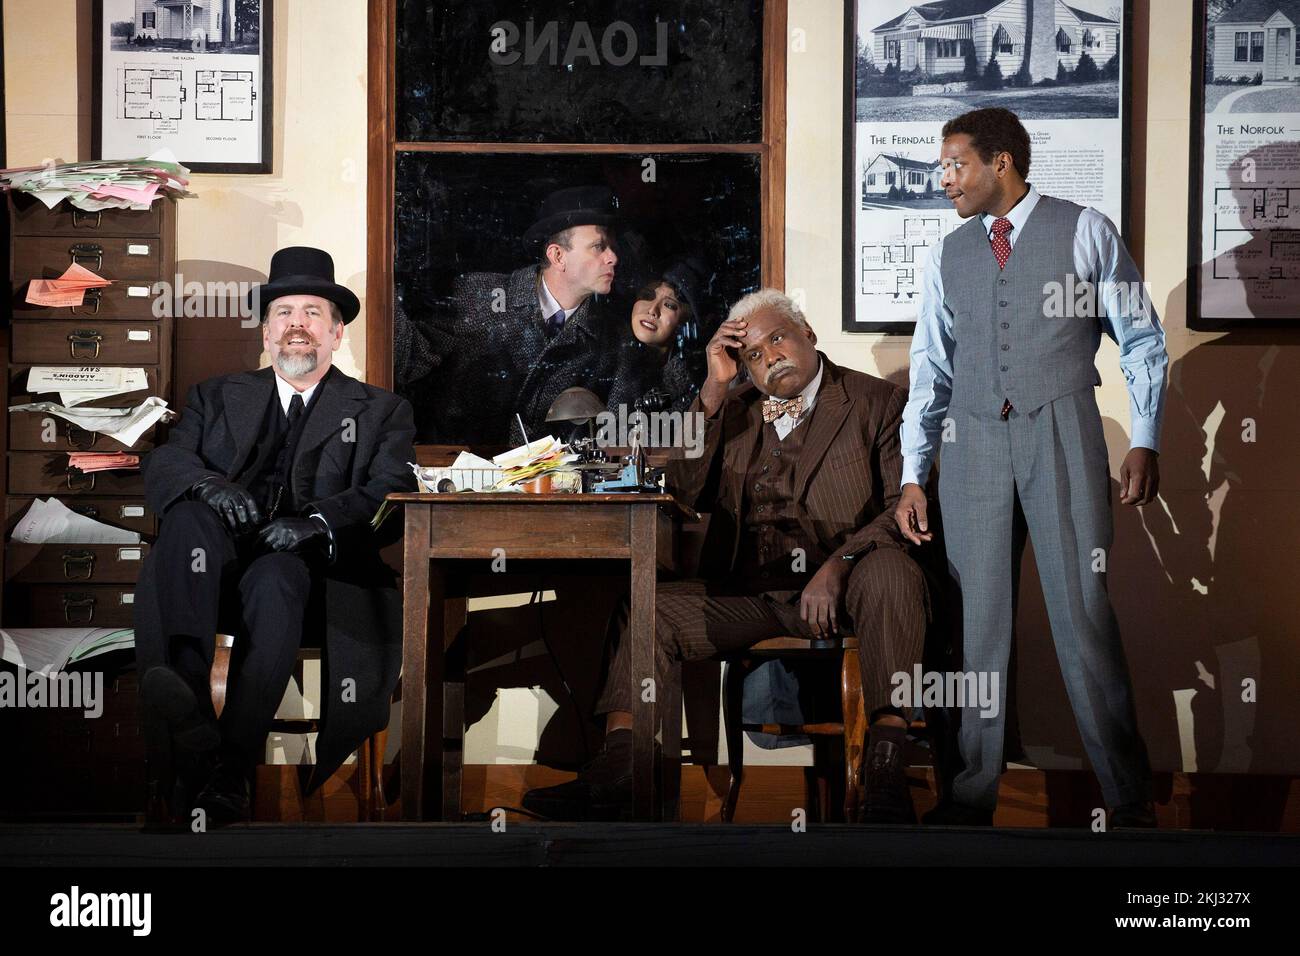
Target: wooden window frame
pixel 383 149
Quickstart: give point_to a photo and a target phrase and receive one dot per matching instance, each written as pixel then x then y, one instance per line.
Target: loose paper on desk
pixel 48 650
pixel 78 384
pixel 67 290
pixel 50 521
pixel 102 184
pixel 121 424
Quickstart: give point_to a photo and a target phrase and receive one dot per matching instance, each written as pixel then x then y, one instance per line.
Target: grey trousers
pixel 1051 463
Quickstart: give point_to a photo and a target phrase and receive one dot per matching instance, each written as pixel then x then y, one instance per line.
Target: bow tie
pixel 774 408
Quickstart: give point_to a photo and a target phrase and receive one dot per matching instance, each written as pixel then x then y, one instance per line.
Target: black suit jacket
pixel 354 450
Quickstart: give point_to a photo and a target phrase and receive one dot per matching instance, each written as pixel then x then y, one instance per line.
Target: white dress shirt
pixel 785 424
pixel 287 392
pixel 549 305
pixel 1100 257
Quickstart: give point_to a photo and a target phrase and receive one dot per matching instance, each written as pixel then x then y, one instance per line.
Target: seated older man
pixel 266 488
pixel 800 472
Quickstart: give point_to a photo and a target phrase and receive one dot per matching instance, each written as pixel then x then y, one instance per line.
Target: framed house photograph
pixel 1243 250
pixel 192 76
pixel 910 67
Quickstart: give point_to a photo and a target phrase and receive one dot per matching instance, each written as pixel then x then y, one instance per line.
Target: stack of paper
pixel 88 462
pixel 532 460
pixel 48 650
pixel 105 184
pixel 125 425
pixel 78 384
pixel 67 290
pixel 52 522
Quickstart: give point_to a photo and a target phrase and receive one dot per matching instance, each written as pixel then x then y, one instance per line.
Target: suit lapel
pixel 831 409
pixel 340 401
pixel 245 397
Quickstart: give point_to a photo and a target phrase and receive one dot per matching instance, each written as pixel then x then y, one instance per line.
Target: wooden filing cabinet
pixel 83 585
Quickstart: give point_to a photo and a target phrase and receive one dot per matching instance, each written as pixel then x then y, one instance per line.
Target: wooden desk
pixel 439 528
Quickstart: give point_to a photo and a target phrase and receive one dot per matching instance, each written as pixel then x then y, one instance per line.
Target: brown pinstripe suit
pixel 846 480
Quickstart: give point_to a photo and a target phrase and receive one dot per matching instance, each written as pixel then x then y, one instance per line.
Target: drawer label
pixel 137 291
pixel 131 511
pixel 139 335
pixel 128 554
pixel 137 249
pixel 128 597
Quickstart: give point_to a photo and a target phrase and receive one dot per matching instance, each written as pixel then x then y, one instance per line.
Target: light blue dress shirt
pixel 1099 257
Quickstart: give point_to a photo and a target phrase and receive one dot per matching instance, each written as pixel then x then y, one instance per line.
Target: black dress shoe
pixel 602 790
pixel 886 798
pixel 953 814
pixel 225 799
pixel 169 699
pixel 1138 815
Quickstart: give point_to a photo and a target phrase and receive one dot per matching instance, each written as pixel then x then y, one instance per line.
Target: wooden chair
pixel 372 804
pixel 829 760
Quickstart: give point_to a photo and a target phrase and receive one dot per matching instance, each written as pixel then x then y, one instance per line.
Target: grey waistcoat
pixel 1005 347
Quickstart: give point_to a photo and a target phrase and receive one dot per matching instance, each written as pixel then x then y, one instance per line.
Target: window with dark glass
pixel 1257 47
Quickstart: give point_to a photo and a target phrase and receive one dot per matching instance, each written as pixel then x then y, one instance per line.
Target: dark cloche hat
pixel 302 270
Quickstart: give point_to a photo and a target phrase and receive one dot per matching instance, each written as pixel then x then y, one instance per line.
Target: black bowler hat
pixel 302 270
pixel 574 206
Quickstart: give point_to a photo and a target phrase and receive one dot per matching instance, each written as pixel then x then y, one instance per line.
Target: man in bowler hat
pixel 520 338
pixel 267 488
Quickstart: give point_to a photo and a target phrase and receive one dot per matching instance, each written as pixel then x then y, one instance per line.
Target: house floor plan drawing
pixel 224 95
pixel 153 94
pixel 894 268
pixel 1257 232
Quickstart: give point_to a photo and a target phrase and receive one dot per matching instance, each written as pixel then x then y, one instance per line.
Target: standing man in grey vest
pixel 1013 305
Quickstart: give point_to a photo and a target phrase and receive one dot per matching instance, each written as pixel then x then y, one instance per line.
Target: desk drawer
pixel 29 431
pixel 552 530
pixel 120 259
pixel 86 343
pixel 129 513
pixel 122 300
pixel 72 563
pixel 44 605
pixel 18 394
pixel 37 473
pixel 31 218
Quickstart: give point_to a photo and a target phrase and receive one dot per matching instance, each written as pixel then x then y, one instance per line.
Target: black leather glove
pixel 237 508
pixel 292 534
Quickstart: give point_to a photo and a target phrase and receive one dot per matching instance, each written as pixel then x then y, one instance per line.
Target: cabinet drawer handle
pixel 79 437
pixel 84 339
pixel 86 511
pixel 92 296
pixel 80 603
pixel 88 486
pixel 78 565
pixel 79 214
pixel 87 250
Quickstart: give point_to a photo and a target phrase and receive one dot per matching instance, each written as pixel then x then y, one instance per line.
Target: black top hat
pixel 574 206
pixel 302 270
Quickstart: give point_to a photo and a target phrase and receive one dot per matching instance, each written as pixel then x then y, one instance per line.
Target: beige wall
pixel 1203 583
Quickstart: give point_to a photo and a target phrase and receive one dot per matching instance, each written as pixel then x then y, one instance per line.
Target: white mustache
pixel 780 366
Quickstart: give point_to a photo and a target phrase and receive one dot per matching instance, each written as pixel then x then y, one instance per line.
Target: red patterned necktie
pixel 774 408
pixel 1001 244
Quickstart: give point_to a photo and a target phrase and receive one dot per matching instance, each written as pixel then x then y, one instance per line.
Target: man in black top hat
pixel 520 338
pixel 266 488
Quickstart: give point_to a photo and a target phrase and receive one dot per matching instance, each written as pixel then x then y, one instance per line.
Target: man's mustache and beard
pixel 772 373
pixel 302 359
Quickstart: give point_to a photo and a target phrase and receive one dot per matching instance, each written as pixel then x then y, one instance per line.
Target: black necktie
pixel 295 410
